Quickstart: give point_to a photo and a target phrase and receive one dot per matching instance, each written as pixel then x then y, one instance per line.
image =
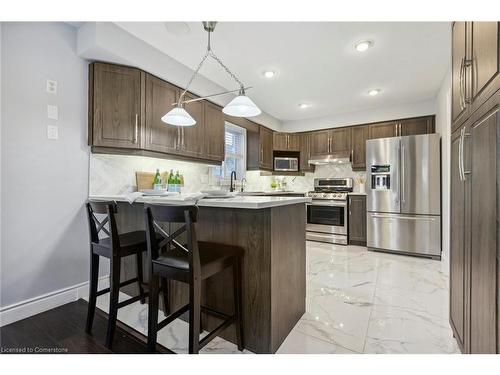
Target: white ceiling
pixel 316 62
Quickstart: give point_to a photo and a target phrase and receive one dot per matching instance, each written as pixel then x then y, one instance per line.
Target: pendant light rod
pixel 211 96
pixel 209 26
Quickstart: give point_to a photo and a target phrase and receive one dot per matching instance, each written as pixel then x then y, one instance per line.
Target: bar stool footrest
pixel 132 300
pixel 125 283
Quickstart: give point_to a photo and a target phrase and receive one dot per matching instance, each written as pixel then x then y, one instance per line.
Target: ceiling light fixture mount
pixel 269 73
pixel 241 106
pixel 304 105
pixel 363 45
pixel 374 92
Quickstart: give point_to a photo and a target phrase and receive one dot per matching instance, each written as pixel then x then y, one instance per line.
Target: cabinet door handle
pixel 261 155
pixel 467 63
pixel 182 137
pixel 461 83
pixel 136 128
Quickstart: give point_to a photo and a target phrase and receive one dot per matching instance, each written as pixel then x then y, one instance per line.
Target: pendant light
pixel 241 106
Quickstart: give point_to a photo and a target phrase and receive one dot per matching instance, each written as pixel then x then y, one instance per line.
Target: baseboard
pixel 33 306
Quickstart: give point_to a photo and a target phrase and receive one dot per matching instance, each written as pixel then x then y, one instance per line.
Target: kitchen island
pixel 272 232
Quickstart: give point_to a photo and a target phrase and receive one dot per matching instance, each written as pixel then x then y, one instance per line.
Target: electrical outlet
pixel 52 132
pixel 52 87
pixel 52 112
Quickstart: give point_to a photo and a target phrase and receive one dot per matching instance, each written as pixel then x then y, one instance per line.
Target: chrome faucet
pixel 233 177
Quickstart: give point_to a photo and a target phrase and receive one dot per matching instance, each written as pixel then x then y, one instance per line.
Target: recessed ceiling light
pixel 374 92
pixel 363 45
pixel 269 74
pixel 303 105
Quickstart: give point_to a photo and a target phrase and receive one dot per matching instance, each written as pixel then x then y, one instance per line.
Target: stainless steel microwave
pixel 284 164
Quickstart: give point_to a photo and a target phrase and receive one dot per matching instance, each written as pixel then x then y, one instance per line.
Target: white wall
pixel 44 244
pixel 443 127
pixel 415 109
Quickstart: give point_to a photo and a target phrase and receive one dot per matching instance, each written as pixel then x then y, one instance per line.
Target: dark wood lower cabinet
pixel 357 220
pixel 459 265
pixel 483 164
pixel 474 279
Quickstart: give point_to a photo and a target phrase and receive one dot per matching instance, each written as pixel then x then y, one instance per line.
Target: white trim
pixel 25 309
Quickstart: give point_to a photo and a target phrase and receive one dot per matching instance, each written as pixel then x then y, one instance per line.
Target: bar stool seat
pixel 130 243
pixel 214 257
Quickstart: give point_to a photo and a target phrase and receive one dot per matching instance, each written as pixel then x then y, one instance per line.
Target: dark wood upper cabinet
pixel 359 135
pixel 116 104
pixel 458 58
pixel 320 142
pixel 305 153
pixel 383 130
pixel 475 67
pixel 286 142
pixel 193 137
pixel 293 142
pixel 332 141
pixel 485 60
pixel 214 132
pixel 340 140
pixel 416 126
pixel 357 220
pixel 266 148
pixel 160 136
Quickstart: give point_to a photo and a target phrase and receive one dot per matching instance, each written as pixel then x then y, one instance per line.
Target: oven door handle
pixel 326 203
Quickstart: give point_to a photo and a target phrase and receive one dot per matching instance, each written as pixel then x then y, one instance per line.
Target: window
pixel 235 153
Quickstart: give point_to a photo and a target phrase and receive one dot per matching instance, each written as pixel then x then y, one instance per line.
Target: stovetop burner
pixel 331 188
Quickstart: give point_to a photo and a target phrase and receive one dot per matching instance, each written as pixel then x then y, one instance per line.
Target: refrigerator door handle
pixel 381 216
pixel 398 195
pixel 402 173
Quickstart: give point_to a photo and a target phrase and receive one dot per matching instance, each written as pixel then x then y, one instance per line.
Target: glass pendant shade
pixel 241 106
pixel 178 116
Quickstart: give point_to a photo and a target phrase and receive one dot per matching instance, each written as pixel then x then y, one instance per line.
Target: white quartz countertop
pixel 247 202
pixel 355 193
pixel 271 193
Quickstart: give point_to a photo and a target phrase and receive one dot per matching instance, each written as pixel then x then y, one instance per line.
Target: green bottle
pixel 157 180
pixel 177 182
pixel 171 181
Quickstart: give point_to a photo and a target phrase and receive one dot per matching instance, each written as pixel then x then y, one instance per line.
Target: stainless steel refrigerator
pixel 404 195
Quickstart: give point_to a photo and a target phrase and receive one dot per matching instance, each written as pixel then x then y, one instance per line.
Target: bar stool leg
pixel 140 277
pixel 238 301
pixel 166 302
pixel 113 299
pixel 194 316
pixel 94 274
pixel 153 312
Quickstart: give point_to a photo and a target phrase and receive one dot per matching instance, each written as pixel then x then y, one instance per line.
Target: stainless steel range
pixel 327 212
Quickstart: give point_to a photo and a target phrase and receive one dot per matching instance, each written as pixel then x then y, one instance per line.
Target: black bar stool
pixel 190 263
pixel 114 247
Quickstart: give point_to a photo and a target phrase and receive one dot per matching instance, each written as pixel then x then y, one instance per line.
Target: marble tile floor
pixel 357 301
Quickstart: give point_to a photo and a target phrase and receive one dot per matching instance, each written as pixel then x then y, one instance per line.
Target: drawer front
pixel 404 233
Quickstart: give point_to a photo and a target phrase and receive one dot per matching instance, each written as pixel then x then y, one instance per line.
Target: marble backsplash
pixel 115 175
pixel 256 182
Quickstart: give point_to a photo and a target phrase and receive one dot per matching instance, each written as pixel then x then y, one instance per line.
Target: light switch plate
pixel 52 87
pixel 52 132
pixel 53 112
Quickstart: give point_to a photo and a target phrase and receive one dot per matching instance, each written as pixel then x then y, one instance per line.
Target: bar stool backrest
pixel 186 215
pixel 109 208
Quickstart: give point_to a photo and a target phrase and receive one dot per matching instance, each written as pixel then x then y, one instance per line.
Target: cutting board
pixel 144 180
